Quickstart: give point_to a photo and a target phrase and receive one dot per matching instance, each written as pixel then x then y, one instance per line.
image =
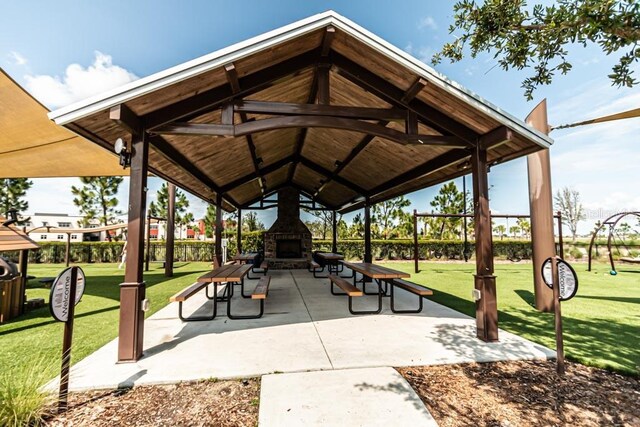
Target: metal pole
pixel 239 232
pixel 367 232
pixel 66 344
pixel 24 264
pixel 465 249
pixel 334 232
pixel 171 231
pixel 415 240
pixel 557 317
pixel 218 243
pixel 541 207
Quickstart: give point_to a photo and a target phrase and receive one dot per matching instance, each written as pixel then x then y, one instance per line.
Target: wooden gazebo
pixel 321 105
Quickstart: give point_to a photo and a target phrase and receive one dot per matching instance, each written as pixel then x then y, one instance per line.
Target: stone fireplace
pixel 287 244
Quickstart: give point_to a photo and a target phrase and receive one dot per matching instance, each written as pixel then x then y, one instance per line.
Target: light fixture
pixel 120 148
pixel 259 160
pixel 337 163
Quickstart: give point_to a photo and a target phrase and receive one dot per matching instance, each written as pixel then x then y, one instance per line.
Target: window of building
pixel 64 224
pixel 74 237
pixel 60 236
pixel 43 237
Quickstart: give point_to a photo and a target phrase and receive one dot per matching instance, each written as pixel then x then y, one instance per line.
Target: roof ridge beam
pixel 250 177
pixel 291 109
pixel 326 173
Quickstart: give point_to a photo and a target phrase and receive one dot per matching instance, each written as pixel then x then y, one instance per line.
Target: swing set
pixel 614 240
pixel 466 251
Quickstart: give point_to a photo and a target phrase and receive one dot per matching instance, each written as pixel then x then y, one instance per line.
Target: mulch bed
pixel 204 403
pixel 526 393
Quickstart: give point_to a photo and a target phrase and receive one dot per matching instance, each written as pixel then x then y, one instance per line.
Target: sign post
pixel 66 292
pixel 562 279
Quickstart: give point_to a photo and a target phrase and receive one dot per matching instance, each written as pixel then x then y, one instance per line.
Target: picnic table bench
pixel 351 291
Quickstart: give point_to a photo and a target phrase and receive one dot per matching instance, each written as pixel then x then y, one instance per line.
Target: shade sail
pixel 31 146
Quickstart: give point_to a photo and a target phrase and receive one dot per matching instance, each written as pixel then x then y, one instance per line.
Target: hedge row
pixel 89 252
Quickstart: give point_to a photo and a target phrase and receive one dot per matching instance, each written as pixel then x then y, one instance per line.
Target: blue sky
pixel 65 50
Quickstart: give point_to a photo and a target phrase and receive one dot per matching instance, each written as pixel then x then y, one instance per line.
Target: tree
pixel 186 220
pixel 210 221
pixel 357 227
pixel 326 220
pixel 251 223
pixel 524 225
pixel 538 37
pixel 514 230
pixel 160 207
pixel 500 230
pixel 97 199
pixel 568 203
pixel 387 213
pixel 12 192
pixel 449 200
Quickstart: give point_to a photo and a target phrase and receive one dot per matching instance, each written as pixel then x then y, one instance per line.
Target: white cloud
pixel 428 22
pixel 17 58
pixel 78 82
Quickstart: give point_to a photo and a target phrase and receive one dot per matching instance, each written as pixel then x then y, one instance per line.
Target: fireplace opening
pixel 289 248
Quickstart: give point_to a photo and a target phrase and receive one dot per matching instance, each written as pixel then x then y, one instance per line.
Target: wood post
pixel 367 232
pixel 132 291
pixel 67 250
pixel 416 255
pixel 147 256
pixel 171 231
pixel 239 232
pixel 541 208
pixel 218 231
pixel 24 264
pixel 485 281
pixel 334 233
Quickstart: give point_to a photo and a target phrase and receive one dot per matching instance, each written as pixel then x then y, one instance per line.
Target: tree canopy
pixel 97 199
pixel 538 37
pixel 12 192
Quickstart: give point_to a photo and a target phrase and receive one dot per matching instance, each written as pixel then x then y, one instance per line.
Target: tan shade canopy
pixel 31 146
pixel 13 239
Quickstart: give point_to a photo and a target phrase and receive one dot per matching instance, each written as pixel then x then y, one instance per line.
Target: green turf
pixel 38 336
pixel 601 324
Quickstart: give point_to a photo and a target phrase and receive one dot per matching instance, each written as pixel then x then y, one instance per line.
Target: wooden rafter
pixel 206 129
pixel 255 175
pixel 293 109
pixel 234 82
pixel 393 95
pixel 327 173
pixel 210 99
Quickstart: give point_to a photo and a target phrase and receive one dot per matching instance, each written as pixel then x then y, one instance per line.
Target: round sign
pixel 568 278
pixel 60 290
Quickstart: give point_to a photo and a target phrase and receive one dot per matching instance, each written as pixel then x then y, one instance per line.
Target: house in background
pixel 60 221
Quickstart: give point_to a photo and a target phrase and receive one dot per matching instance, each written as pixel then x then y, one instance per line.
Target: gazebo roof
pixel 14 239
pixel 321 104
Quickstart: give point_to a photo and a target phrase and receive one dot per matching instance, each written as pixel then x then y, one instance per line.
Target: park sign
pixel 567 278
pixel 61 293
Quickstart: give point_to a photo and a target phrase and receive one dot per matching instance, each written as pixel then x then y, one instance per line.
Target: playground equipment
pixel 613 240
pixel 466 247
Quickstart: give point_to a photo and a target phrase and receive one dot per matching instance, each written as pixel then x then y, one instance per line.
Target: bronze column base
pixel 131 332
pixel 486 308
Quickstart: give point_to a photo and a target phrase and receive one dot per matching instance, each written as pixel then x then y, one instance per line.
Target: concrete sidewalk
pixel 352 397
pixel 304 328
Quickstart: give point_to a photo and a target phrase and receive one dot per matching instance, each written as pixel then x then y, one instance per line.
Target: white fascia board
pixel 267 40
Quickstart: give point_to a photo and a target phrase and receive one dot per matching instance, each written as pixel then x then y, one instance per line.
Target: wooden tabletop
pixel 330 256
pixel 376 271
pixel 248 256
pixel 226 273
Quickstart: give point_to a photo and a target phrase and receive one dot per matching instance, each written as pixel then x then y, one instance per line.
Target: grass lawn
pixel 37 337
pixel 601 323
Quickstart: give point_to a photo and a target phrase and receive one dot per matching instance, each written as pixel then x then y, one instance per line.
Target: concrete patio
pixel 304 328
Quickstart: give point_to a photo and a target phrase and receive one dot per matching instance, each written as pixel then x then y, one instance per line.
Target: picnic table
pixel 246 258
pixel 230 274
pixel 376 272
pixel 331 260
